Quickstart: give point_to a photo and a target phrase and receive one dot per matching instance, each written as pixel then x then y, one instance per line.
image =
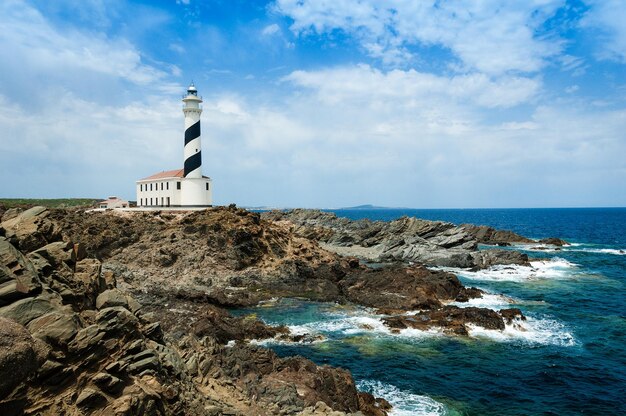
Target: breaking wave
pixel 532 331
pixel 555 268
pixel 404 403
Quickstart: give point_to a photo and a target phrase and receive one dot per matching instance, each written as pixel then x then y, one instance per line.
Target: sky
pixel 320 103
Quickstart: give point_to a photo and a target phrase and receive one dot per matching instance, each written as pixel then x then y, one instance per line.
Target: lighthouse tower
pixel 186 187
pixel 194 186
pixel 193 148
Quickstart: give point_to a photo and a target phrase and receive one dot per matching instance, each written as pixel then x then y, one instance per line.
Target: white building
pixel 113 202
pixel 183 187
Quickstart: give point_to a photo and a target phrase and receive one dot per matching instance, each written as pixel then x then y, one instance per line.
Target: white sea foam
pixel 532 331
pixel 555 268
pixel 404 403
pixel 488 300
pixel 614 251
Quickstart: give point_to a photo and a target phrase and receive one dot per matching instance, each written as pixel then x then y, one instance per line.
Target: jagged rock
pixel 18 277
pixel 25 310
pixel 55 327
pixel 487 258
pixel 31 229
pixel 110 298
pixel 148 363
pixel 512 314
pixel 11 213
pixel 154 331
pixel 58 253
pixel 373 406
pixel 404 288
pixel 491 236
pixel 20 355
pixel 433 243
pixel 90 398
pixel 86 338
pixel 108 383
pixel 450 318
pixel 553 242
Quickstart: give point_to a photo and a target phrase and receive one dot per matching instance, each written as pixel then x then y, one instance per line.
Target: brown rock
pixel 20 355
pixel 110 298
pixel 450 318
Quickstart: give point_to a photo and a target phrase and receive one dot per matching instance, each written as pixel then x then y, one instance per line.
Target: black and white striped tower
pixel 193 148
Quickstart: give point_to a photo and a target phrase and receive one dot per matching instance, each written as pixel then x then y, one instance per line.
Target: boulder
pixel 451 319
pixel 110 298
pixel 20 355
pixel 403 288
pixel 486 258
pixel 31 229
pixel 18 277
pixel 25 310
pixel 553 242
pixel 55 328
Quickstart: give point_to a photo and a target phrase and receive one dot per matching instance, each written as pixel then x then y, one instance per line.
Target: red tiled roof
pixel 178 173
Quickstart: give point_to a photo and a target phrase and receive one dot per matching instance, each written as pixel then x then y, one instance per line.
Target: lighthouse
pixel 186 187
pixel 193 148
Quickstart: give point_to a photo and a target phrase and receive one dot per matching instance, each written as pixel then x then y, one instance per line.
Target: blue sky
pixel 426 104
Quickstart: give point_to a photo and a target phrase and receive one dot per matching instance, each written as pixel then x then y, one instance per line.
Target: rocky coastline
pixel 122 313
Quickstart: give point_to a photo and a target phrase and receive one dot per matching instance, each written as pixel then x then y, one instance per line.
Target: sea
pixel 567 358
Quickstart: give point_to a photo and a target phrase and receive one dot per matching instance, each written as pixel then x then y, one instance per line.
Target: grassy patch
pixel 50 203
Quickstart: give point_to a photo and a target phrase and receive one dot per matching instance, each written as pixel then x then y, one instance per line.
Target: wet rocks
pixel 404 288
pixel 553 242
pixel 451 319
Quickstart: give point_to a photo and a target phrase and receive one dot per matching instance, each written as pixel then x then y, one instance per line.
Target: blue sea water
pixel 568 358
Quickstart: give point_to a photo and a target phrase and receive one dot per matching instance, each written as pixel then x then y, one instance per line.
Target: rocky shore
pixel 118 313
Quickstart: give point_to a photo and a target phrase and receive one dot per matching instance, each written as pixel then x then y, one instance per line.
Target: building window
pixel 207 186
pixel 150 186
pixel 140 187
pixel 161 185
pixel 150 201
pixel 167 186
pixel 177 185
pixel 162 199
pixel 168 201
pixel 140 201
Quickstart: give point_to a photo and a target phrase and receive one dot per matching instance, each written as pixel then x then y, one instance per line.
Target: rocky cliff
pixel 123 313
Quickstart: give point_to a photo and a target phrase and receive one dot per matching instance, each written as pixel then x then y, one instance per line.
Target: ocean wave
pixel 554 268
pixel 489 301
pixel 574 247
pixel 613 251
pixel 404 403
pixel 532 331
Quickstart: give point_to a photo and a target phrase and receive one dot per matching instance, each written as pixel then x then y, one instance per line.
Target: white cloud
pixel 372 85
pixel 270 30
pixel 608 16
pixel 29 43
pixel 493 36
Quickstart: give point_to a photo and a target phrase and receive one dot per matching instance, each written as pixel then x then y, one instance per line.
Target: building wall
pixel 156 192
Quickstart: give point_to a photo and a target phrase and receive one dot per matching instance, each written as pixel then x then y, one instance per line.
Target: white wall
pixel 156 196
pixel 192 193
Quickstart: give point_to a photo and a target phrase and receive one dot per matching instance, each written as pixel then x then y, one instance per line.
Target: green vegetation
pixel 50 203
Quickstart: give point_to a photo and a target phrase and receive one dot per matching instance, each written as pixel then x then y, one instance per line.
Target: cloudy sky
pixel 320 103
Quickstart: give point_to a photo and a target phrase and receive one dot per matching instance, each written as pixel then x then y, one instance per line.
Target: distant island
pixel 369 207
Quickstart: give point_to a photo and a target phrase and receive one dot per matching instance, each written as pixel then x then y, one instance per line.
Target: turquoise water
pixel 568 358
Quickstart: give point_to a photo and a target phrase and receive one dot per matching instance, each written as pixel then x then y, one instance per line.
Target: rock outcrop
pixel 407 239
pixel 72 342
pixel 112 313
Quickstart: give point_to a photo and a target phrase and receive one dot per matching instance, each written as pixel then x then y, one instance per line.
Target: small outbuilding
pixel 113 202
